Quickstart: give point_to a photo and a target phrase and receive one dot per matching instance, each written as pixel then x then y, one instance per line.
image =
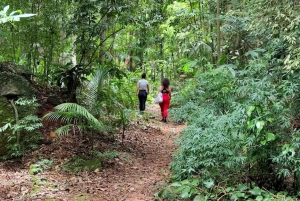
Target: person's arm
pixel 148 88
pixel 170 93
pixel 137 89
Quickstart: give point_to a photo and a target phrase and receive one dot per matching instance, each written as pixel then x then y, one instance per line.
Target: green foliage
pixel 105 155
pixel 193 189
pixel 73 114
pixel 79 164
pixel 98 97
pixel 25 133
pixel 239 124
pixel 243 116
pixel 13 16
pixel 39 166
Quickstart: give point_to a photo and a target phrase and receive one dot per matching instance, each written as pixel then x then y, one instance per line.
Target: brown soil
pixel 141 168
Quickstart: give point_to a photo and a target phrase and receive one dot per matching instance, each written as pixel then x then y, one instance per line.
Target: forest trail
pixel 149 165
pixel 141 168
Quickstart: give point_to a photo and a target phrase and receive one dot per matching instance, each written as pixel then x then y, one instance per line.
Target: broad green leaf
pixel 176 184
pixel 185 182
pixel 260 125
pixel 192 191
pixel 240 195
pixel 270 137
pixel 263 142
pixel 195 182
pixel 259 198
pixel 222 60
pixel 250 109
pixel 6 9
pixel 233 198
pixel 250 124
pixel 26 15
pixel 255 191
pixel 209 183
pixel 228 189
pixel 242 187
pixel 185 193
pixel 185 68
pixel 192 64
pixel 14 12
pixel 200 198
pixel 177 190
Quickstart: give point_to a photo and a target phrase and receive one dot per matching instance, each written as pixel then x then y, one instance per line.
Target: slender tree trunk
pixel 103 44
pixel 17 120
pixel 212 44
pixel 218 31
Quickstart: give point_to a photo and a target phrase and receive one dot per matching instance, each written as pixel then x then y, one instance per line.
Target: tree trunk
pixel 218 32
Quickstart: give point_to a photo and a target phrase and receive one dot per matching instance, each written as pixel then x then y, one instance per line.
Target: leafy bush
pixel 192 189
pixel 24 131
pixel 102 105
pixel 240 127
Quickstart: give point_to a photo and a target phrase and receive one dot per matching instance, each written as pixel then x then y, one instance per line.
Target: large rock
pixel 15 69
pixel 14 84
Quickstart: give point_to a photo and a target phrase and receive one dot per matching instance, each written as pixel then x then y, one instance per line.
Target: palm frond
pixel 63 130
pixel 72 113
pixel 95 84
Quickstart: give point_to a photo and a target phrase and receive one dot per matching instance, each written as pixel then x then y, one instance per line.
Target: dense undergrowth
pixel 242 140
pixel 240 129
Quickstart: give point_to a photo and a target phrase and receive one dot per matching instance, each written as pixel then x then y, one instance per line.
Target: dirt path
pixel 141 168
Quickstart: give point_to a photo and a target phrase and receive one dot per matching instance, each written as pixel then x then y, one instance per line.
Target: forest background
pixel 239 67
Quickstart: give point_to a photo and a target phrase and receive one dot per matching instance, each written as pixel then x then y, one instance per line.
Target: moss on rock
pixel 13 84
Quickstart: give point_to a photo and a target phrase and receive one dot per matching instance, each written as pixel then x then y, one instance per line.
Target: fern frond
pixel 95 85
pixel 63 130
pixel 5 127
pixel 72 113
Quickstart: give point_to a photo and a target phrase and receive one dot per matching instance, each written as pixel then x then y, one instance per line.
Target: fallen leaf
pixel 53 135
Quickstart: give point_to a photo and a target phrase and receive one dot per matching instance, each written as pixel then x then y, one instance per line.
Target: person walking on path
pixel 142 90
pixel 166 95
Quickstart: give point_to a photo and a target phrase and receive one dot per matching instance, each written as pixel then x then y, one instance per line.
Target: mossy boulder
pixel 14 83
pixel 15 69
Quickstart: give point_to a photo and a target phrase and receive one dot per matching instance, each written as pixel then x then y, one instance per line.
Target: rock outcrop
pixel 14 83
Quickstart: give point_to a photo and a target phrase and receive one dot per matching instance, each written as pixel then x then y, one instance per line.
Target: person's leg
pixel 166 103
pixel 162 109
pixel 166 107
pixel 144 101
pixel 140 96
pixel 165 111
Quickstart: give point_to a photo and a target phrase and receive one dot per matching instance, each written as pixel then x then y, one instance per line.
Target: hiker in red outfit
pixel 166 94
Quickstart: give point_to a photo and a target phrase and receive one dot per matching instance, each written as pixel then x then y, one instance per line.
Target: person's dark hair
pixel 165 82
pixel 144 75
